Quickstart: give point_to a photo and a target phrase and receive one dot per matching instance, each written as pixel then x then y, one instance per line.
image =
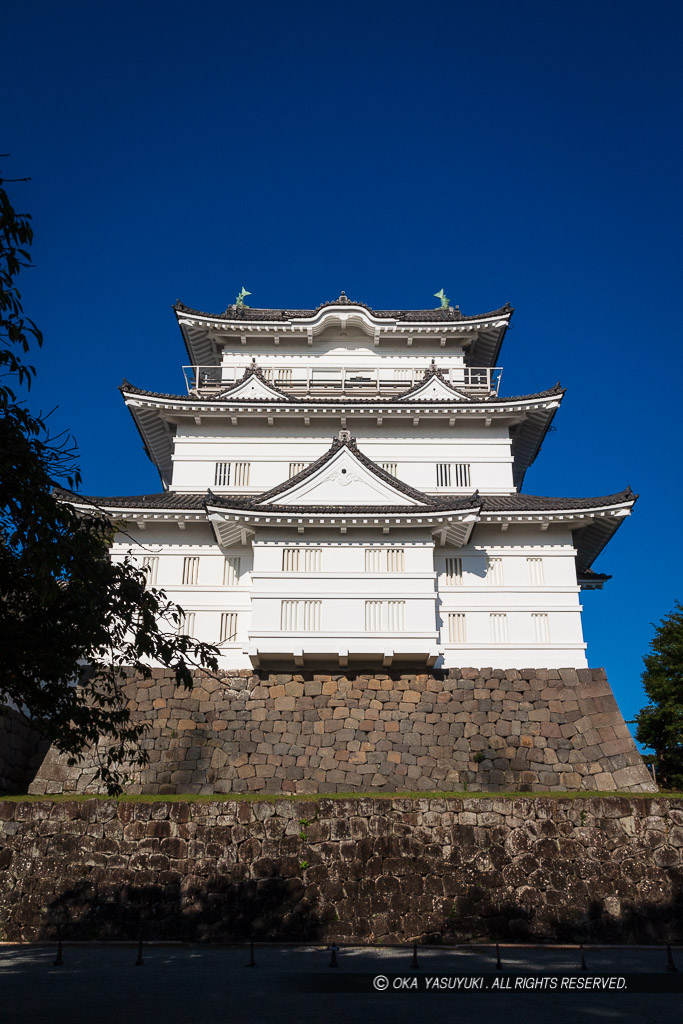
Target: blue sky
pixel 526 151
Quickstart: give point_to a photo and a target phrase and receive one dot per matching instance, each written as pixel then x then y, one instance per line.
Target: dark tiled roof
pixel 246 313
pixel 557 389
pixel 164 500
pixel 538 503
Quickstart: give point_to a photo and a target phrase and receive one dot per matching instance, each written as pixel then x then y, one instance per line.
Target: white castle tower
pixel 342 487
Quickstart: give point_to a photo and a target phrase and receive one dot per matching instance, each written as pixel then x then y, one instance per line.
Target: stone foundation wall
pixel 22 750
pixel 470 729
pixel 353 870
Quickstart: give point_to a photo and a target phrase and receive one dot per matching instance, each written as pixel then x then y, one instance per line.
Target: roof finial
pixel 239 301
pixel 445 301
pixel 342 298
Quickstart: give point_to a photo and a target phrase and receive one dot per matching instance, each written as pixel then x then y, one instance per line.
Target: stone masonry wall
pixel 480 730
pixel 22 750
pixel 588 869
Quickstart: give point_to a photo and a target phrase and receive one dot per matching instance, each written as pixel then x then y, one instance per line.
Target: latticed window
pixel 231 572
pixel 389 467
pixel 300 616
pixel 535 566
pixel 296 467
pixel 151 564
pixel 301 559
pixel 461 474
pixel 499 627
pixel 235 473
pixel 494 573
pixel 454 572
pixel 385 616
pixel 190 569
pixel 186 626
pixel 456 628
pixel 228 627
pixel 395 560
pixel 541 627
pixel 373 559
pixel 384 560
pixel 452 474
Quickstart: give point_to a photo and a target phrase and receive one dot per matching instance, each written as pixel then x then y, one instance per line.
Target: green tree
pixel 660 724
pixel 68 615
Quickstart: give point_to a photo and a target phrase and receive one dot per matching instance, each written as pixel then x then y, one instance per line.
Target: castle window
pixel 456 628
pixel 151 564
pixel 454 572
pixel 301 559
pixel 535 566
pixel 186 626
pixel 300 616
pixel 385 616
pixel 384 560
pixel 228 627
pixel 296 467
pixel 452 474
pixel 499 627
pixel 494 572
pixel 231 572
pixel 190 570
pixel 541 627
pixel 389 467
pixel 235 473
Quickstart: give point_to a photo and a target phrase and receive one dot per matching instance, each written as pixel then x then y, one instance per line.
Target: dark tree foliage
pixel 660 724
pixel 68 615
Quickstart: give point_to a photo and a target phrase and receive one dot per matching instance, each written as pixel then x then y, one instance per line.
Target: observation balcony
pixel 342 381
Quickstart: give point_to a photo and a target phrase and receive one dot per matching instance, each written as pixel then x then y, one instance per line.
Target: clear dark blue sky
pixel 521 150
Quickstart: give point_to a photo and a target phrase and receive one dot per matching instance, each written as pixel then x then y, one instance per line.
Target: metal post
pixel 499 963
pixel 58 959
pixel 414 966
pixel 583 959
pixel 252 962
pixel 670 965
pixel 333 957
pixel 139 962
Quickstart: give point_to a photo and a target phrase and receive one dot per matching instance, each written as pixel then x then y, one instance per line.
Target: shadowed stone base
pixel 469 729
pixel 354 870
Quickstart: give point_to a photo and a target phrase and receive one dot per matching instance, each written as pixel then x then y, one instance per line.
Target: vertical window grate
pixel 456 628
pixel 454 572
pixel 186 626
pixel 231 572
pixel 151 564
pixel 541 627
pixel 235 473
pixel 190 570
pixel 300 616
pixel 385 616
pixel 228 627
pixel 295 468
pixel 443 474
pixel 535 566
pixel 453 474
pixel 499 627
pixel 389 467
pixel 494 574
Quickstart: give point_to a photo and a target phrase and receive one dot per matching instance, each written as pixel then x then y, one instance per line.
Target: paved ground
pixel 100 984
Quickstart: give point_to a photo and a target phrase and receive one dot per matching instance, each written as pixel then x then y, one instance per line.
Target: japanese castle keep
pixel 343 513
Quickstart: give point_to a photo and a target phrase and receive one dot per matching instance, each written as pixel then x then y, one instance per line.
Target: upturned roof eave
pixel 293 402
